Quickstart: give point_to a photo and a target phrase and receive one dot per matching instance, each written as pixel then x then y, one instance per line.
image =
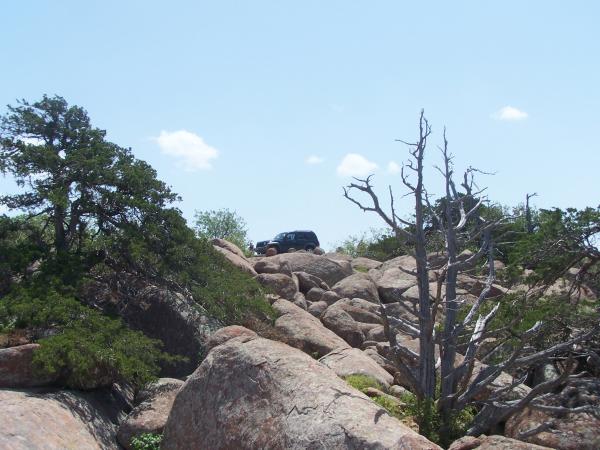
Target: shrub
pixel 146 441
pixel 410 410
pixel 86 348
pixel 376 244
pixel 362 382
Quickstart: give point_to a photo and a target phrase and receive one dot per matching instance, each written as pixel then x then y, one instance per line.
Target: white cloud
pixel 189 149
pixel 314 159
pixel 510 113
pixel 355 165
pixel 393 167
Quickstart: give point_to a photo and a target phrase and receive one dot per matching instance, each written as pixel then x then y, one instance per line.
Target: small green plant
pixel 391 405
pixel 410 410
pixel 362 382
pixel 426 414
pixel 146 441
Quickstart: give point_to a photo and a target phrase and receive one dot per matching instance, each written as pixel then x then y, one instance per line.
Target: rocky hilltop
pixel 283 388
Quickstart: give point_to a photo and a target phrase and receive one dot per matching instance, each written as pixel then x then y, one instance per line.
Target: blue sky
pixel 230 100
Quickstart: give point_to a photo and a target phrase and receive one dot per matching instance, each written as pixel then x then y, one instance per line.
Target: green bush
pixel 427 415
pixel 410 409
pixel 146 441
pixel 171 253
pixel 85 348
pixel 362 382
pixel 376 244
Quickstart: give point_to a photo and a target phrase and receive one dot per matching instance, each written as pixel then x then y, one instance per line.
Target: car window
pixel 289 237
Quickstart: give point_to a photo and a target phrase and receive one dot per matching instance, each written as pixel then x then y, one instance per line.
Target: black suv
pixel 298 240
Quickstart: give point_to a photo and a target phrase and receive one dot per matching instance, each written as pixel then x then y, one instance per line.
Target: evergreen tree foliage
pixel 93 212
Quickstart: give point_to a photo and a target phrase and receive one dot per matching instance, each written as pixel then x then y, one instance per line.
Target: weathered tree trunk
pixel 60 235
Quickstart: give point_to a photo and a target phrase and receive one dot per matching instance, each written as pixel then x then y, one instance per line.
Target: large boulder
pixel 317 308
pixel 151 413
pixel 393 283
pixel 238 261
pixel 308 281
pixel 224 334
pixel 56 420
pixel 474 286
pixel 352 361
pixel 302 330
pixel 338 257
pixel 265 394
pixel 376 334
pixel 405 262
pixel 229 246
pixel 361 310
pixel 270 265
pixel 16 370
pixel 363 264
pixel 327 270
pixel 562 430
pixel 382 361
pixel 178 321
pixel 314 294
pixel 494 442
pixel 342 324
pixel 300 300
pixel 279 283
pixel 358 285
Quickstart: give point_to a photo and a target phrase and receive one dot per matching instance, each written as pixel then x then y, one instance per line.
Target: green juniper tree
pixel 81 184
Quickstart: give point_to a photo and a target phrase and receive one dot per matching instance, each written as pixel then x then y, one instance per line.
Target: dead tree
pixel 528 220
pixel 459 385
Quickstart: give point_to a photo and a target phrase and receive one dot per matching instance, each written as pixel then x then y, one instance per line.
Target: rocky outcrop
pixel 270 265
pixel 327 270
pixel 279 284
pixel 358 285
pixel 179 322
pixel 317 308
pixel 352 361
pixel 16 370
pixel 304 331
pixel 376 334
pixel 238 261
pixel 406 262
pixel 494 442
pixel 51 419
pixel 224 334
pixel 314 294
pixel 330 297
pixel 308 281
pixel 342 324
pixel 300 301
pixel 151 412
pixel 563 430
pixel 229 246
pixel 360 310
pixel 363 264
pixel 264 394
pixel 393 283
